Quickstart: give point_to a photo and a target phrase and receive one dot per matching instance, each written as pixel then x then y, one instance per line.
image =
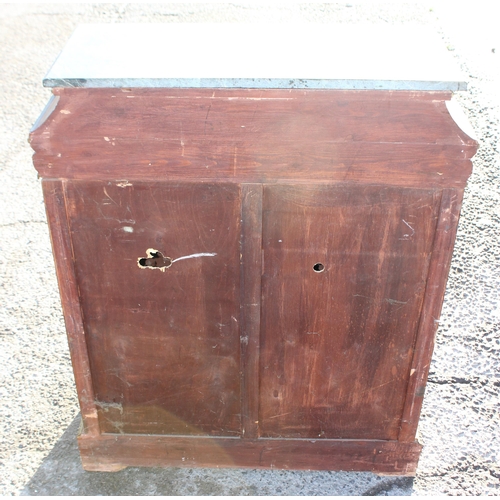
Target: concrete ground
pixel 459 426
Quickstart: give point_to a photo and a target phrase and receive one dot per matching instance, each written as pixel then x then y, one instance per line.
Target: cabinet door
pixel 344 276
pixel 163 343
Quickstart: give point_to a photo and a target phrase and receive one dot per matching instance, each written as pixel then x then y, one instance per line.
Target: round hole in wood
pixel 318 268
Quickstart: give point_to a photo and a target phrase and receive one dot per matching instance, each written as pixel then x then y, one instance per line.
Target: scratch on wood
pixel 194 256
pixel 280 415
pixel 396 302
pixel 182 141
pixel 407 236
pixel 378 386
pixel 258 98
pixel 235 156
pixel 363 296
pixel 106 193
pixel 206 118
pixel 124 183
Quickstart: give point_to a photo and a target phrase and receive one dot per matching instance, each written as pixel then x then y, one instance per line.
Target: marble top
pixel 238 55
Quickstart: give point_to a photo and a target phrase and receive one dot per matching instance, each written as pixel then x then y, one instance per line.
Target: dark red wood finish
pixel 114 452
pixel 163 344
pixel 305 239
pixel 251 260
pixel 444 240
pixel 337 341
pixel 402 138
pixel 55 205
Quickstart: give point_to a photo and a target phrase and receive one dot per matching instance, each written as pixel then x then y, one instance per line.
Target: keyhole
pixel 318 268
pixel 155 260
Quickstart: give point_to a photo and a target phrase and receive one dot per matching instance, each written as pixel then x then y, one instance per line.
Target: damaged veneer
pixel 156 260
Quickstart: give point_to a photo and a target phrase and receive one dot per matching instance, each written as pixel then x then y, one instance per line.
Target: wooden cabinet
pixel 251 277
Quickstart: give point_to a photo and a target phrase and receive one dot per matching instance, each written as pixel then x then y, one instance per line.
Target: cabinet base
pixel 110 453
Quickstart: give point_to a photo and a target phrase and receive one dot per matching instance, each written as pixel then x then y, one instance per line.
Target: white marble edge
pixel 254 83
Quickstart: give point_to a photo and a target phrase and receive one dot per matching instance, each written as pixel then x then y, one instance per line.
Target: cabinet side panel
pixel 55 205
pixel 163 332
pixel 343 283
pixel 436 286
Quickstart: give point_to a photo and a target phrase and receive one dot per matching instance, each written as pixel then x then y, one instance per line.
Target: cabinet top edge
pixel 253 83
pixel 236 55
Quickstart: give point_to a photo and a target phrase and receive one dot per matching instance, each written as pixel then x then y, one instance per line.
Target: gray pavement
pixel 460 420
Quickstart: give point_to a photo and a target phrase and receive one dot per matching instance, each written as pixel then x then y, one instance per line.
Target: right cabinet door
pixel 344 275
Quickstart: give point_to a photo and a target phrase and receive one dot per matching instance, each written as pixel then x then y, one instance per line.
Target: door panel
pixel 344 276
pixel 163 343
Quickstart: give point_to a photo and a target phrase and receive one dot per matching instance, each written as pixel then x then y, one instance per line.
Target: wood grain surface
pixel 337 344
pixel 251 286
pixel 62 246
pixel 251 278
pixel 114 452
pixel 163 345
pixel 394 137
pixel 444 240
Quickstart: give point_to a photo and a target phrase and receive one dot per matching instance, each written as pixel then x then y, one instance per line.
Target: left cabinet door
pixel 163 338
